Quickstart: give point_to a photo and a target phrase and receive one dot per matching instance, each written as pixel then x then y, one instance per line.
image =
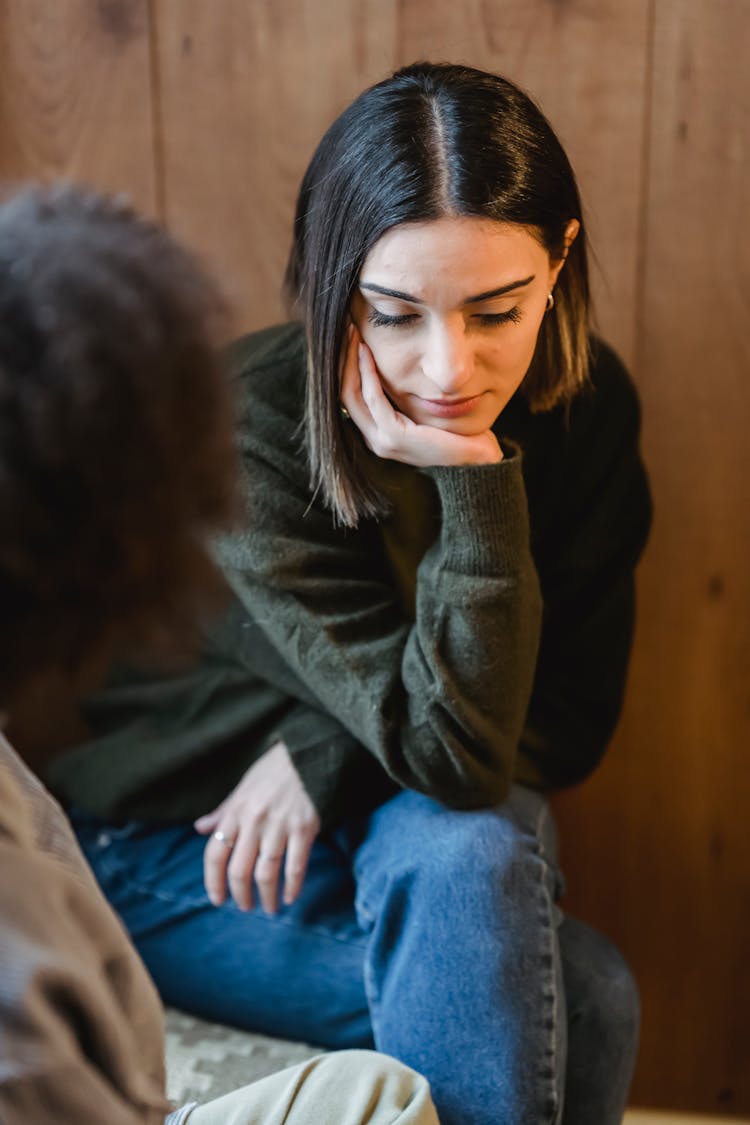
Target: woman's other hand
pixel 390 434
pixel 267 818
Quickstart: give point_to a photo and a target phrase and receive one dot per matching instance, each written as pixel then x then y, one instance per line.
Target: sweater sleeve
pixel 441 701
pixel 598 521
pixel 340 776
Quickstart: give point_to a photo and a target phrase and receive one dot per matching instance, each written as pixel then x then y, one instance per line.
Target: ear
pixel 571 232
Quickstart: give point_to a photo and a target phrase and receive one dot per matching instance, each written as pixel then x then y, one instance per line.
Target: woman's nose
pixel 447 360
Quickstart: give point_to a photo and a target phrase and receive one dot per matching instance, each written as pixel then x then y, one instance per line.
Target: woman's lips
pixel 449 407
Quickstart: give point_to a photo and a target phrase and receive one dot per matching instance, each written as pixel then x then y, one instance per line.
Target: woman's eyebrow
pixel 400 296
pixel 390 292
pixel 499 292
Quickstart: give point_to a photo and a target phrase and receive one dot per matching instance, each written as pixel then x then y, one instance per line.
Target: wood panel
pixel 247 94
pixel 667 817
pixel 75 94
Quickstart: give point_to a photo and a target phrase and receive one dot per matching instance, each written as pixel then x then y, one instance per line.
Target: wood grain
pixel 669 810
pixel 245 97
pixel 75 94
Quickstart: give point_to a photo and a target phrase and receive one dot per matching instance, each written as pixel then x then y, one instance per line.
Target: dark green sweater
pixel 489 644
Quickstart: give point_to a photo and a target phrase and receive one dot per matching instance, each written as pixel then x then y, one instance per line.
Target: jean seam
pixel 551 1115
pixel 373 998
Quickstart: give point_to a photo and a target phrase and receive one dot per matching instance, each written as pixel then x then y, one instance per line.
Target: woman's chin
pixel 462 427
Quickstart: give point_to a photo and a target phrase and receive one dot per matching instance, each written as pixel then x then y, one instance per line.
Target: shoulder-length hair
pixel 432 140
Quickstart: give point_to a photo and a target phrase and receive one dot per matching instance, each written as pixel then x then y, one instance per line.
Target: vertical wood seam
pixel 642 253
pixel 156 112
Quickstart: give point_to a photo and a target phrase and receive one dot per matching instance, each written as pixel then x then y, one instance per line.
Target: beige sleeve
pixel 80 1025
pixel 348 1087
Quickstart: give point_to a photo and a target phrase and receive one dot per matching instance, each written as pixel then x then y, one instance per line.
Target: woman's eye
pixel 512 316
pixel 383 320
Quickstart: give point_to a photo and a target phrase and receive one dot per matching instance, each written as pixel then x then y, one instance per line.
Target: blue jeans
pixel 430 933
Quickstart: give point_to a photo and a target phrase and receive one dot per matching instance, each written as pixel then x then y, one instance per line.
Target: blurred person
pixel 116 463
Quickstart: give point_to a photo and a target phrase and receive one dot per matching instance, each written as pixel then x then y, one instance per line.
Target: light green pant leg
pixel 342 1088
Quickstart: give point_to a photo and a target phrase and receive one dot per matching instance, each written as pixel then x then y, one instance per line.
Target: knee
pixel 388 1090
pixel 480 849
pixel 620 997
pixel 455 865
pixel 600 987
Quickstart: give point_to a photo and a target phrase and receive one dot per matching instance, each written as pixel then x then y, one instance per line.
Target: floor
pixel 651 1117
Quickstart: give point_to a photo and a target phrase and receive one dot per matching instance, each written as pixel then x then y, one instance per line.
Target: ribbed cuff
pixel 485 516
pixel 180 1116
pixel 340 776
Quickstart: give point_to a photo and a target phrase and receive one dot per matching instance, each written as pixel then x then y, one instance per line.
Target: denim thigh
pixel 452 954
pixel 296 974
pixel 462 969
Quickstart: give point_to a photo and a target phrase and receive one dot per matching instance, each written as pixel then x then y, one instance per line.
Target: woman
pixel 433 616
pixel 110 380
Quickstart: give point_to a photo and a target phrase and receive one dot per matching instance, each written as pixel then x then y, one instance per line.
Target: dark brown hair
pixel 432 140
pixel 116 449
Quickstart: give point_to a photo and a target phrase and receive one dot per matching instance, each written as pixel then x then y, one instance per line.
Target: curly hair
pixel 117 458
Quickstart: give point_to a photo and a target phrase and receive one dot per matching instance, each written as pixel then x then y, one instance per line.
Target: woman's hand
pixel 267 815
pixel 390 434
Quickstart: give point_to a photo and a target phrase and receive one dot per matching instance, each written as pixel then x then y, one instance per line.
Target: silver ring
pixel 223 838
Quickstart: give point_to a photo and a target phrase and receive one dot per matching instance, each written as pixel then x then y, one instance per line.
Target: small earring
pixel 550 301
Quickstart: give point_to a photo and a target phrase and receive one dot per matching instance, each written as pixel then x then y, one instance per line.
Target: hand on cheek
pixel 392 435
pixel 352 397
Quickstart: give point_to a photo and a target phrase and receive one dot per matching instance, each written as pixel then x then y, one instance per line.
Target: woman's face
pixel 451 310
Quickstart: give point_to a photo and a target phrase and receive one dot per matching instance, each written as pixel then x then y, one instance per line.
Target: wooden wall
pixel 206 113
